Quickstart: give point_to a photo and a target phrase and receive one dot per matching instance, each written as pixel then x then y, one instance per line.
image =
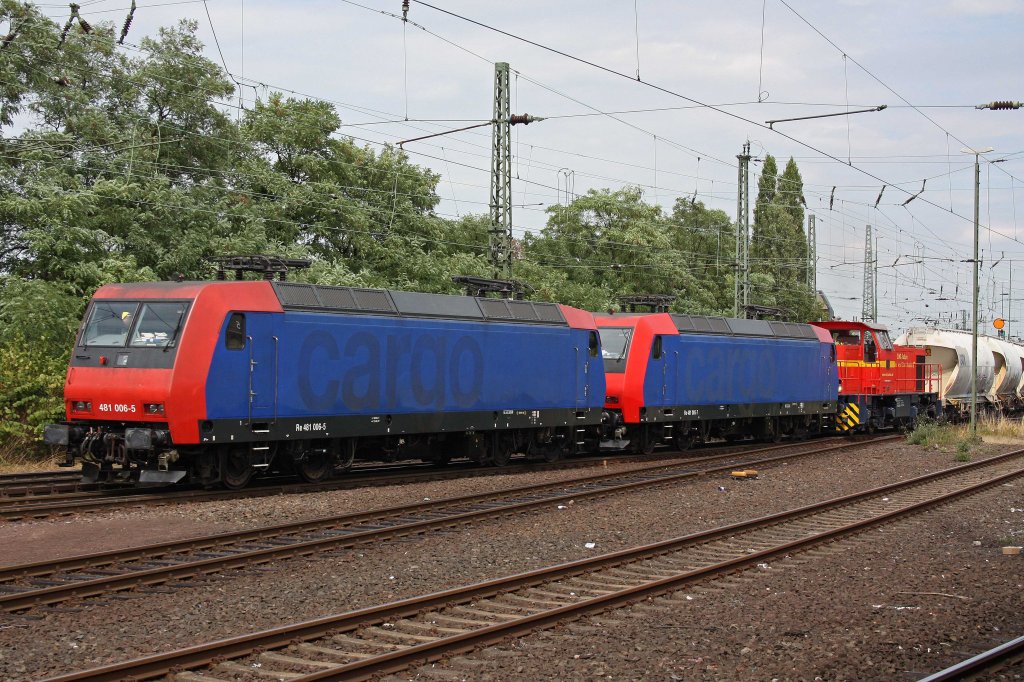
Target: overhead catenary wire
pixel 667 171
pixel 662 89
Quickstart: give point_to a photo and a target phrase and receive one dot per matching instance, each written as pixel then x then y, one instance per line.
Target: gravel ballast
pixel 816 596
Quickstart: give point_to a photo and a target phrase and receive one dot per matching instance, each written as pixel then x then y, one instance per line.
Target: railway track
pixel 85 501
pixel 39 483
pixel 102 499
pixel 391 637
pixel 985 664
pixel 49 582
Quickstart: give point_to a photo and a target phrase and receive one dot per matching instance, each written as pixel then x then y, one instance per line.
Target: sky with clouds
pixel 753 61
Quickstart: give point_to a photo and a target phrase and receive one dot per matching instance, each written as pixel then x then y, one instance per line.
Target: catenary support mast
pixel 869 310
pixel 500 241
pixel 742 294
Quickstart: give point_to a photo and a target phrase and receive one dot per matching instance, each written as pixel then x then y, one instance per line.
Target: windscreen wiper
pixel 177 327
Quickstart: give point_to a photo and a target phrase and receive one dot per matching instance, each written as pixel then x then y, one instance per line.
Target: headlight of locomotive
pixel 154 409
pixel 81 406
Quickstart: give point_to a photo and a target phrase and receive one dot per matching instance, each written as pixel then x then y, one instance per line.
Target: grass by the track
pixel 991 429
pixel 18 459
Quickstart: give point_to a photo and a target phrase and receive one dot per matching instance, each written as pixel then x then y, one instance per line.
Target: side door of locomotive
pixel 262 346
pixel 588 362
pixel 662 364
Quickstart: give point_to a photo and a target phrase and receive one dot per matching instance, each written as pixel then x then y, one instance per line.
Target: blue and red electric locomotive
pixel 680 379
pixel 215 382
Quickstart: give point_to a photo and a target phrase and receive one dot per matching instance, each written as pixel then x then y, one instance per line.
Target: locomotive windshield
pixel 615 347
pixel 148 325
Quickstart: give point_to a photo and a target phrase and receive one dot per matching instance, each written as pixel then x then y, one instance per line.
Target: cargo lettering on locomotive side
pixel 373 366
pixel 717 374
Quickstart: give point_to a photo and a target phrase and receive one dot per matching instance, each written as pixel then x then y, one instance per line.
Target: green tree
pixel 706 239
pixel 778 248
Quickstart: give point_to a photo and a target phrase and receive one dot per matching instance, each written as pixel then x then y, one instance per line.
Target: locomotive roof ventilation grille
pixel 294 296
pixel 495 307
pixel 793 330
pixel 297 295
pixel 701 324
pixel 719 325
pixel 520 311
pixel 320 297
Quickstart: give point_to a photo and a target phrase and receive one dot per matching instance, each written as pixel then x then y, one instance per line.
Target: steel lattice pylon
pixel 742 293
pixel 869 312
pixel 812 254
pixel 500 241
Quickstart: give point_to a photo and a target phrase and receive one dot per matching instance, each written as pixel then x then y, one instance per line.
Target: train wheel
pixel 685 441
pixel 315 466
pixel 345 456
pixel 502 449
pixel 552 454
pixel 235 468
pixel 648 440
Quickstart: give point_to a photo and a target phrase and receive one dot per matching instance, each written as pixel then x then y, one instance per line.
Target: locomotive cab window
pixel 593 345
pixel 234 339
pixel 847 337
pixel 870 349
pixel 159 325
pixel 884 341
pixel 615 347
pixel 109 323
pixel 656 348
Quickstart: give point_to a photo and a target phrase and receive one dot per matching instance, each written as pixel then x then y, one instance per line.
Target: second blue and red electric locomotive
pixel 684 378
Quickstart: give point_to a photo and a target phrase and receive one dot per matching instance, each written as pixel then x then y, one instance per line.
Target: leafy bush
pixel 31 382
pixel 37 326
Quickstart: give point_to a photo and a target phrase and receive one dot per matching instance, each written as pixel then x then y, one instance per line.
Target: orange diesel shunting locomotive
pixel 881 385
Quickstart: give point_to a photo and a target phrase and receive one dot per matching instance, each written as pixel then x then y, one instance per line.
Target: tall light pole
pixel 974 292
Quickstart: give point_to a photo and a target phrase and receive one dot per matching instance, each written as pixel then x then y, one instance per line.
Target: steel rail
pixel 19 477
pixel 985 662
pixel 402 657
pixel 413 519
pixel 16 509
pixel 35 483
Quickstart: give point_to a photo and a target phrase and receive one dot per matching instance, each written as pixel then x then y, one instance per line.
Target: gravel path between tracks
pixel 836 616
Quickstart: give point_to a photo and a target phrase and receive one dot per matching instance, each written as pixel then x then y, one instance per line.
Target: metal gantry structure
pixel 869 312
pixel 500 242
pixel 812 254
pixel 742 289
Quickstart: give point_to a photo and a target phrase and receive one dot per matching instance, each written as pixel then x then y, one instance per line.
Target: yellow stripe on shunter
pixel 853 406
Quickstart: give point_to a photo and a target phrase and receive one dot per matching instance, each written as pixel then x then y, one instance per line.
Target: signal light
pixel 81 406
pixel 154 408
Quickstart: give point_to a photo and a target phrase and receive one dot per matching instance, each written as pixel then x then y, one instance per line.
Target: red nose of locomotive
pixel 116 394
pixel 119 381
